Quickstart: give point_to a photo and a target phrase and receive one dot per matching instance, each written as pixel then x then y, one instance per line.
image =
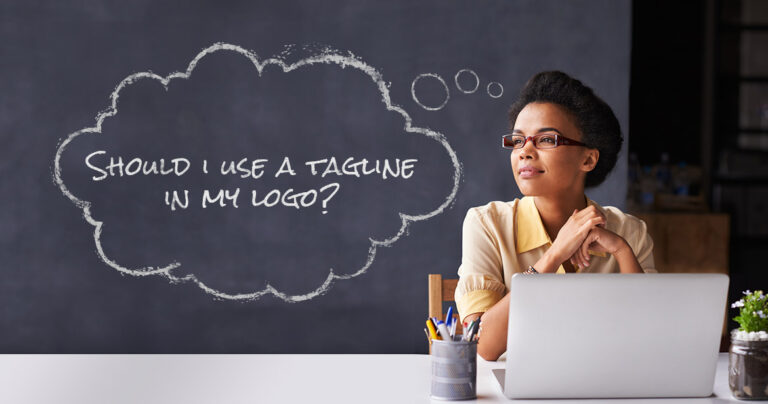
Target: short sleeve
pixel 480 283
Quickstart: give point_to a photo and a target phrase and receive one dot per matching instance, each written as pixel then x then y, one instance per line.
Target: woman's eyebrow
pixel 539 131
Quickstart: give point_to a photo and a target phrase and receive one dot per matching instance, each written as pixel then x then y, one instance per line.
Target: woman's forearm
pixel 493 337
pixel 627 261
pixel 548 263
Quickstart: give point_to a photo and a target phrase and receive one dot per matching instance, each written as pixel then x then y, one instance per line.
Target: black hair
pixel 593 117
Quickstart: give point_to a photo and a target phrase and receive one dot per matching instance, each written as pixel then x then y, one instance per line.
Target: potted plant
pixel 748 356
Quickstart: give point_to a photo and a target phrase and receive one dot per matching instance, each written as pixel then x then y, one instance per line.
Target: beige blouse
pixel 502 238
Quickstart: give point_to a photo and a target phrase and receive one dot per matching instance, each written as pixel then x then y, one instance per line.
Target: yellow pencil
pixel 432 331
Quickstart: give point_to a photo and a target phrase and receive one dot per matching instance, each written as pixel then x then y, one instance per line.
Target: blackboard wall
pixel 105 265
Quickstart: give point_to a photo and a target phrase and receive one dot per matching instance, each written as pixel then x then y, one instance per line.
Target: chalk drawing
pixel 477 81
pixel 439 79
pixel 325 56
pixel 495 84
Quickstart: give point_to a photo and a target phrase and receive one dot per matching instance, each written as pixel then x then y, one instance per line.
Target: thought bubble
pixel 494 89
pixel 308 187
pixel 437 78
pixel 467 72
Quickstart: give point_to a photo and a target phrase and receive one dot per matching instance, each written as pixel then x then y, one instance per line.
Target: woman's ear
pixel 590 160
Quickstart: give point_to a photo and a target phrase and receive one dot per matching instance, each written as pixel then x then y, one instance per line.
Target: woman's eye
pixel 547 139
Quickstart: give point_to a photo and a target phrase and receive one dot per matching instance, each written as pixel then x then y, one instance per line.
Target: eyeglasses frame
pixel 560 140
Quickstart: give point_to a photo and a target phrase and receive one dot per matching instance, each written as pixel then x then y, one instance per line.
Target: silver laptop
pixel 613 335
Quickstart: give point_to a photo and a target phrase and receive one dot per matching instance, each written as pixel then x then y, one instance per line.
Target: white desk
pixel 360 379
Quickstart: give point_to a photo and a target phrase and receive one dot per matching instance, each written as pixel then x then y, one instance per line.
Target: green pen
pixel 471 330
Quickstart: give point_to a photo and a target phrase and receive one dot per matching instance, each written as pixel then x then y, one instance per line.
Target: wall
pixel 94 262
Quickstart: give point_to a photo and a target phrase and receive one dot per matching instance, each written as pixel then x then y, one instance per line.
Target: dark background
pixel 699 83
pixel 59 62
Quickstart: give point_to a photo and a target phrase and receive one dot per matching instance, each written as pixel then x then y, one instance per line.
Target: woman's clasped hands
pixel 585 231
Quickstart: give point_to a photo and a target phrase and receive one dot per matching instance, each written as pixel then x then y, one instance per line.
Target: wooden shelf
pixel 742 78
pixel 744 27
pixel 755 240
pixel 754 79
pixel 741 179
pixel 758 131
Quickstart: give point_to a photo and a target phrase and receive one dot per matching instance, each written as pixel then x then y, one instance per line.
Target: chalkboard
pixel 263 177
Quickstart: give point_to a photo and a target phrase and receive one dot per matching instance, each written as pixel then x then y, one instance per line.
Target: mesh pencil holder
pixel 454 370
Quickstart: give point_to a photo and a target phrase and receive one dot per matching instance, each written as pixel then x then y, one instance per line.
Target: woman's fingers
pixel 593 216
pixel 585 251
pixel 590 212
pixel 574 232
pixel 580 253
pixel 591 238
pixel 587 226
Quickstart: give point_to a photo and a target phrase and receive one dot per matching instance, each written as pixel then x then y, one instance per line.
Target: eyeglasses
pixel 542 141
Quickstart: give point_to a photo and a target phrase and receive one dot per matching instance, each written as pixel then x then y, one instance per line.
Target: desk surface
pixel 251 379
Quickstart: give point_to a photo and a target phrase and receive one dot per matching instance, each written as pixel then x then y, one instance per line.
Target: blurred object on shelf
pixel 663 175
pixel 664 186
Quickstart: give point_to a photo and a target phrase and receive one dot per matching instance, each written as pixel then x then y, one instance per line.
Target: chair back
pixel 441 290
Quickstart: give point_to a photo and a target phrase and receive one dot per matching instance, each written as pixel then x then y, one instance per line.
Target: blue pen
pixel 449 316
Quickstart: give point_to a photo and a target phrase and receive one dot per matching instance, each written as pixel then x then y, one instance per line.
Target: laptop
pixel 613 335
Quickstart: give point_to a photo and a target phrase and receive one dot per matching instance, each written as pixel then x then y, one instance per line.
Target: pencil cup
pixel 454 370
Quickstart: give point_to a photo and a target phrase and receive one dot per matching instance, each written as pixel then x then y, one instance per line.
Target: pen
pixel 467 330
pixel 429 340
pixel 475 329
pixel 444 331
pixel 470 332
pixel 449 316
pixel 432 331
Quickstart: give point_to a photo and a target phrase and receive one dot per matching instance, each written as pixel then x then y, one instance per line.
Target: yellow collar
pixel 530 232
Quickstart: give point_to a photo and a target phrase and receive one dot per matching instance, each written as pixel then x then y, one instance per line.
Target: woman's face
pixel 543 172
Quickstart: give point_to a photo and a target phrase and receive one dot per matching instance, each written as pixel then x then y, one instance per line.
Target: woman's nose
pixel 527 151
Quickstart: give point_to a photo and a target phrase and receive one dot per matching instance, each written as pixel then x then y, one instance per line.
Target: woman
pixel 564 138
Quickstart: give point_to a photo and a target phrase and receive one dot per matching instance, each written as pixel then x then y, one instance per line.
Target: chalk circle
pixel 440 79
pixel 477 81
pixel 501 89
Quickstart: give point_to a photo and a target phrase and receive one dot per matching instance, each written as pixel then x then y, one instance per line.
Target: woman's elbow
pixel 488 357
pixel 488 353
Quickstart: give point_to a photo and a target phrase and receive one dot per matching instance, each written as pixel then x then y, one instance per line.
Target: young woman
pixel 563 138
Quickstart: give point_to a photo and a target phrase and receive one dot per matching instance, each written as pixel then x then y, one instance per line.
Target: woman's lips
pixel 529 172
